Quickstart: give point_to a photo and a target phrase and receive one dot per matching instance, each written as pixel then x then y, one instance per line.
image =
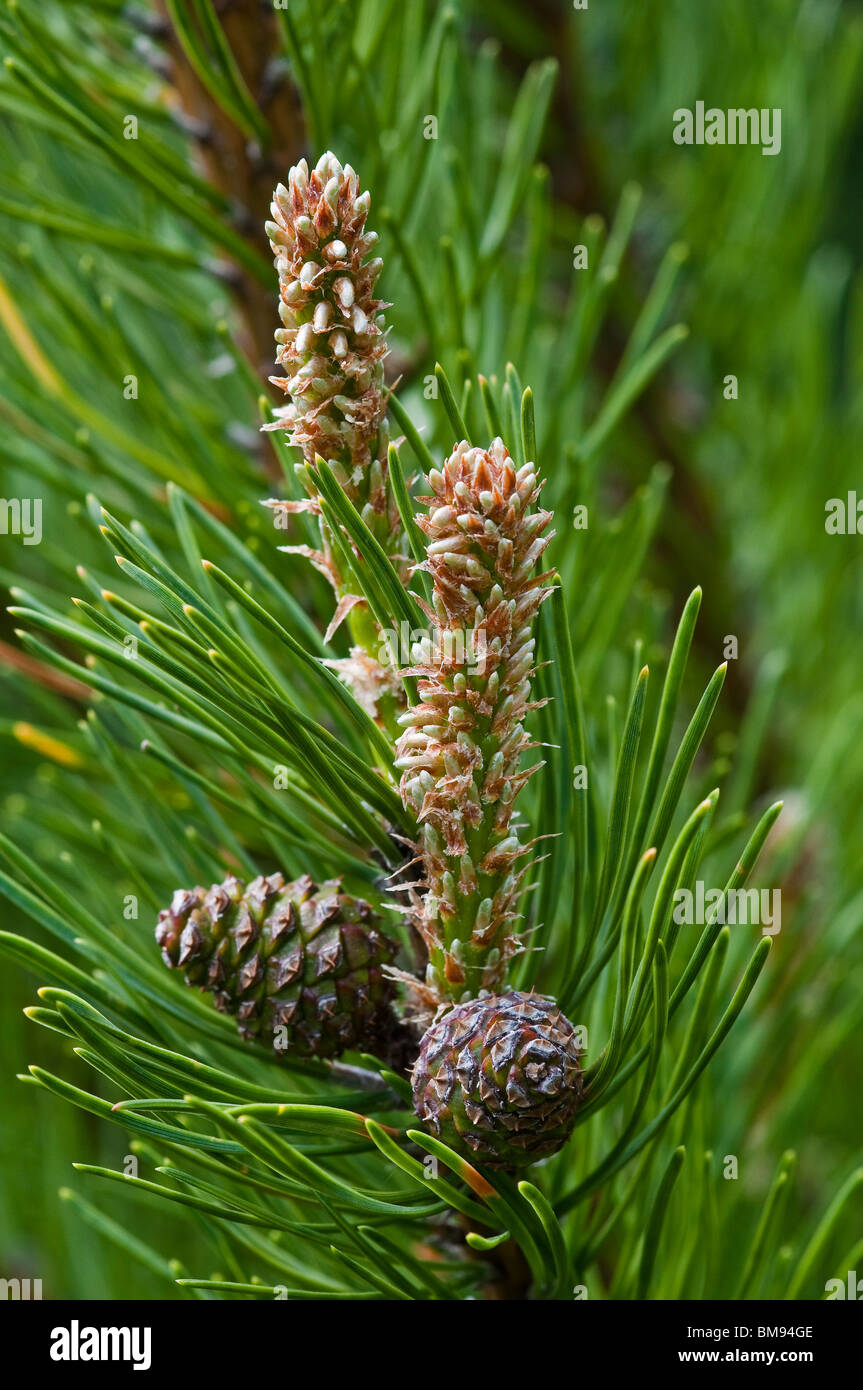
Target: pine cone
pixel 500 1077
pixel 297 964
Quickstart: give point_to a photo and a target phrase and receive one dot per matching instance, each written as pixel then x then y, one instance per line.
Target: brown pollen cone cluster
pixel 332 345
pixel 331 342
pixel 461 753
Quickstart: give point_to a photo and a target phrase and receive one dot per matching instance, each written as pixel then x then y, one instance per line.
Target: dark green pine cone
pixel 499 1079
pixel 298 965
